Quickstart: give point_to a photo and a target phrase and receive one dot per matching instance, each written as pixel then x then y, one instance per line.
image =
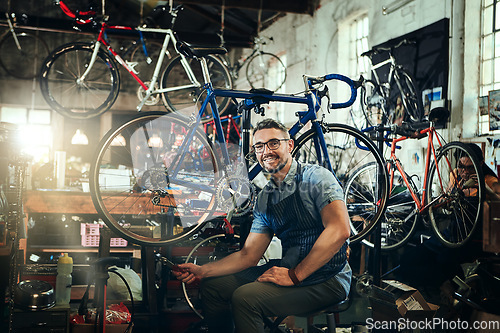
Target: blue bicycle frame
pixel 253 99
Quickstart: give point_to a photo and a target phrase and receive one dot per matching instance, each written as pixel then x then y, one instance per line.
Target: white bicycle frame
pixel 169 36
pixel 12 31
pixel 392 63
pixel 393 74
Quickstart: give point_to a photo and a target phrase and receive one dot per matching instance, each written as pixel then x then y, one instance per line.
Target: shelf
pixel 78 249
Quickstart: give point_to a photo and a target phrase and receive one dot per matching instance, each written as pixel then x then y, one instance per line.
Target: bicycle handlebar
pixel 354 85
pixel 410 130
pixel 380 49
pixel 81 17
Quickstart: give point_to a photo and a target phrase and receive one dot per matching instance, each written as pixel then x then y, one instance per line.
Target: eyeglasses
pixel 272 144
pixel 469 168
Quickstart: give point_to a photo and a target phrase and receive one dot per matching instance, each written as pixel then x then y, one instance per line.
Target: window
pixel 490 56
pixel 35 132
pixel 358 43
pixel 353 33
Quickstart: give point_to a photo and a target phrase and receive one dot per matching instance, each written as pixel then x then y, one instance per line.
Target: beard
pixel 277 169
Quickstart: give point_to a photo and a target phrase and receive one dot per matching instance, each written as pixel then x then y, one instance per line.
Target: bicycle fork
pixel 11 29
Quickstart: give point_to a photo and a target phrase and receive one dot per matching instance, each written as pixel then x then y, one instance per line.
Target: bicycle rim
pixel 133 182
pixel 22 63
pixel 62 90
pixel 188 100
pixel 265 70
pixel 396 226
pixel 412 101
pixel 207 250
pixel 348 149
pixel 458 203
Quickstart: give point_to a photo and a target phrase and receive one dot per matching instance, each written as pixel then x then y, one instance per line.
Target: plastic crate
pixel 90 236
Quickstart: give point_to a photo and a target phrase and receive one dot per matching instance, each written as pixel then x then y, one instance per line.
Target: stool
pixel 332 317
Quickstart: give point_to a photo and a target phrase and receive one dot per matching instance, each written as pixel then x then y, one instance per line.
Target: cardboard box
pixel 398 300
pixel 110 328
pixel 491 226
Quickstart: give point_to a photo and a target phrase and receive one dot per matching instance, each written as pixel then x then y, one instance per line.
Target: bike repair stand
pixel 101 281
pixel 166 220
pixel 377 239
pixel 153 299
pixel 246 222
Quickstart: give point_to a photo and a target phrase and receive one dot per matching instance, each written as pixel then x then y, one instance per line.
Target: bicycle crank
pixel 235 193
pixel 154 99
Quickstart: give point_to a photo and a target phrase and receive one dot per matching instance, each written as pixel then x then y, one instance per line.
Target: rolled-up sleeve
pixel 324 186
pixel 260 225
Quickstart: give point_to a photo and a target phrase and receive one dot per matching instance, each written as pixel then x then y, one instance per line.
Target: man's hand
pixel 187 273
pixel 276 275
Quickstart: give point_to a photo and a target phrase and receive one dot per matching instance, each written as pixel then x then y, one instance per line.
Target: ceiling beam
pixel 288 6
pixel 215 18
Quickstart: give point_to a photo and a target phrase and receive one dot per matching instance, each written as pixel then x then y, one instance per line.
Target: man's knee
pixel 246 296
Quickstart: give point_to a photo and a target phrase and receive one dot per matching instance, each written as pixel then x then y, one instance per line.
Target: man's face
pixel 465 168
pixel 272 160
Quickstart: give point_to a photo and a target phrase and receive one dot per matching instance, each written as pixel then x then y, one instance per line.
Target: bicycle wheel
pixel 66 93
pixel 455 197
pixel 23 63
pixel 209 249
pixel 372 103
pixel 410 95
pixel 265 70
pixel 398 226
pixel 140 172
pixel 348 149
pixel 183 99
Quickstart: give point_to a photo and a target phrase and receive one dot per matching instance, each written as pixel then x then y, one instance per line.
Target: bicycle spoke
pixel 175 75
pixel 60 84
pixel 141 172
pixel 454 215
pixel 349 151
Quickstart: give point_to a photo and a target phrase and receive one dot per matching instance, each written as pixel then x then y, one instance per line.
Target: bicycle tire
pixel 371 101
pixel 183 100
pixel 257 71
pixel 142 151
pixel 188 298
pixel 396 231
pixel 349 149
pixel 59 86
pixel 457 211
pixel 410 95
pixel 25 63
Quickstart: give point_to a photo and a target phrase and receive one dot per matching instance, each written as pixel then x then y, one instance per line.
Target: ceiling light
pixel 79 138
pixel 155 141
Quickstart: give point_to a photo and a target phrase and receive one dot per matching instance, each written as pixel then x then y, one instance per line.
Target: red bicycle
pixel 452 196
pixel 81 80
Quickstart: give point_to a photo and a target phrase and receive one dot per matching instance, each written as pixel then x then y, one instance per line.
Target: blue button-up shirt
pixel 318 188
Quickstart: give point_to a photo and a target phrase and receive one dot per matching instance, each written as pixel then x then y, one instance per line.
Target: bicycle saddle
pixel 194 51
pixel 439 115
